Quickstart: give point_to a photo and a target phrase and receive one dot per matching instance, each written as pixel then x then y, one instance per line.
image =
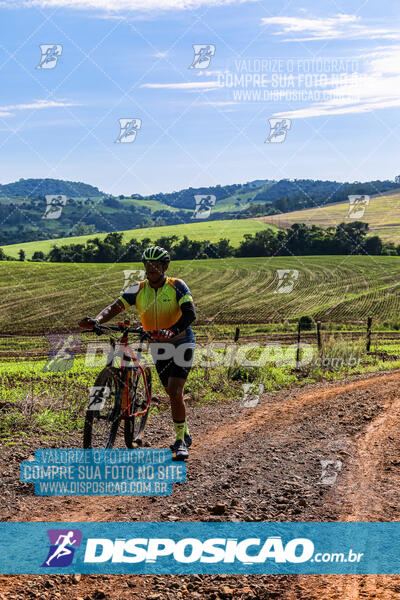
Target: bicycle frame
pixel 136 367
pixel 128 356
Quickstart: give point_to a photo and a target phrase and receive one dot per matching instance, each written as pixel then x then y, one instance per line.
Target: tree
pixel 133 251
pixel 298 239
pixel 21 254
pixel 349 237
pixel 83 229
pixel 38 255
pixel 224 249
pixel 263 243
pixel 189 249
pixel 389 249
pixel 112 202
pixel 166 241
pixel 55 254
pixel 306 323
pixel 373 245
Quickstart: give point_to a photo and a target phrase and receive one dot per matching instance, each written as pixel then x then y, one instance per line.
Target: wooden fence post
pixel 298 344
pixel 369 323
pixel 233 357
pixel 319 339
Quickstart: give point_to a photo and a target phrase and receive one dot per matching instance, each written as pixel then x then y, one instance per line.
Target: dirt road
pixel 259 464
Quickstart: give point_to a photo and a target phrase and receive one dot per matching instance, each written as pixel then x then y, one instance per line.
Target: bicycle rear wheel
pixel 103 414
pixel 134 426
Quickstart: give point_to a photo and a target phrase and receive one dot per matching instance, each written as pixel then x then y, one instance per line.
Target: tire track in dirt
pixel 279 415
pixel 369 501
pixel 287 411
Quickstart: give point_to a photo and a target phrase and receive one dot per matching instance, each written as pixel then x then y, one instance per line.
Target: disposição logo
pixel 63 543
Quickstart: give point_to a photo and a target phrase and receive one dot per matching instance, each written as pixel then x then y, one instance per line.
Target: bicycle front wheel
pixel 103 414
pixel 134 426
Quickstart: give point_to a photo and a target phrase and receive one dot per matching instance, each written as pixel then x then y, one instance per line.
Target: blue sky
pixel 130 59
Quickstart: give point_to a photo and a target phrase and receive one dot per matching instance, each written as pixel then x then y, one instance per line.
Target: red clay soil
pixel 261 464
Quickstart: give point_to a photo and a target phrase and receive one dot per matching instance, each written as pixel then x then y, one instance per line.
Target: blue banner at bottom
pixel 189 548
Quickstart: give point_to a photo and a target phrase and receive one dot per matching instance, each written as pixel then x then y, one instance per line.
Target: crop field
pixel 345 405
pixel 52 297
pixel 382 214
pixel 234 230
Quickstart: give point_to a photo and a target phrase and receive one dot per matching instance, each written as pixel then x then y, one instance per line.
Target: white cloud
pixel 218 103
pixel 186 86
pixel 208 72
pixel 36 105
pixel 128 5
pixel 340 26
pixel 108 17
pixel 376 88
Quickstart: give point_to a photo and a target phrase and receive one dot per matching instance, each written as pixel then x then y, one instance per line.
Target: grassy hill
pixel 240 199
pixel 24 215
pixel 382 214
pixel 234 230
pixel 88 210
pixel 39 187
pixel 153 205
pixel 44 297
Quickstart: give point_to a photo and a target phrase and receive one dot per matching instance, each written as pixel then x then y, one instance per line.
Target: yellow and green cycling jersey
pixel 158 308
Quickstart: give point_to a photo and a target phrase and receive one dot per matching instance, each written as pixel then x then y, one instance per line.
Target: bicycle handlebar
pixel 98 329
pixel 122 328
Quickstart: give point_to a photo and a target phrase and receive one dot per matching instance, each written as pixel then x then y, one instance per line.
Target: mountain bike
pixel 119 392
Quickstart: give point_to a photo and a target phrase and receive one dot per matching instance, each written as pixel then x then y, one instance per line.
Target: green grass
pixel 44 297
pixel 37 401
pixel 154 205
pixel 382 214
pixel 34 401
pixel 229 203
pixel 234 230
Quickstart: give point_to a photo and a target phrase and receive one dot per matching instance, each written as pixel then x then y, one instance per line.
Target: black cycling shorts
pixel 176 366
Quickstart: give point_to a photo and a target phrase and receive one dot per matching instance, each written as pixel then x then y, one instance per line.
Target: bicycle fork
pixel 130 377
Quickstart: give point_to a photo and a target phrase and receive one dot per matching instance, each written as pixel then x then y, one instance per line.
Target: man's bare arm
pixel 105 315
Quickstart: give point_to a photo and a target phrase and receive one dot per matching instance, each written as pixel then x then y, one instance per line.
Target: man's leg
pixel 175 392
pixel 173 376
pixel 179 371
pixel 183 439
pixel 174 385
pixel 178 408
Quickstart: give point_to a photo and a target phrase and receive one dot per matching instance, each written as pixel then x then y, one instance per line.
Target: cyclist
pixel 166 309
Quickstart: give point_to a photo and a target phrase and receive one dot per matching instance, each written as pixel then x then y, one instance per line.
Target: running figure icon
pixel 62 549
pixel 203 54
pixel 63 543
pixel 50 55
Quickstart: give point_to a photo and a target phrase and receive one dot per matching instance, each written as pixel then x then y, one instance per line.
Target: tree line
pixel 89 210
pixel 299 239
